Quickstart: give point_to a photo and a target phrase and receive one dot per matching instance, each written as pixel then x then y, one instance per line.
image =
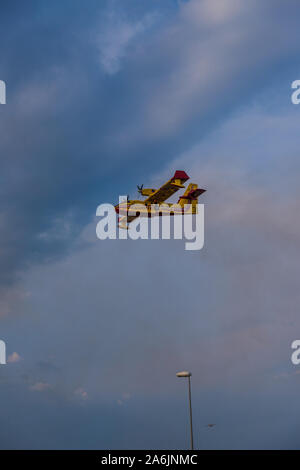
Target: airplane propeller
pixel 140 188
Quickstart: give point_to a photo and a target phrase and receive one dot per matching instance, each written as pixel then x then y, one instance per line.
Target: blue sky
pixel 102 96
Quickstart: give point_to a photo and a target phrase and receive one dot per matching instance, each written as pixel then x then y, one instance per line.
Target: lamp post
pixel 188 375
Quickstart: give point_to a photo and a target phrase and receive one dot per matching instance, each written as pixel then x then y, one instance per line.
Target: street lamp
pixel 188 375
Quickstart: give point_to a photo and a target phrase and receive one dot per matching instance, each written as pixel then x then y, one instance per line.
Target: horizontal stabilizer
pixel 195 193
pixel 191 195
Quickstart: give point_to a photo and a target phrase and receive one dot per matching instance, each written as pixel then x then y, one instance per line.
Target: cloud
pixel 81 393
pixel 137 312
pixel 217 57
pixel 238 312
pixel 115 35
pixel 212 13
pixel 69 131
pixel 14 357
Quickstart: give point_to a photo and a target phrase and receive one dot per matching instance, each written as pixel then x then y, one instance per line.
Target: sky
pixel 102 96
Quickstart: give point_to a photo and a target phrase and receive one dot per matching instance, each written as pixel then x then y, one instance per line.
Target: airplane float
pixel 153 204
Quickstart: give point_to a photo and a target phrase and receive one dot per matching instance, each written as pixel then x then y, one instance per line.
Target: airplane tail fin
pixel 190 197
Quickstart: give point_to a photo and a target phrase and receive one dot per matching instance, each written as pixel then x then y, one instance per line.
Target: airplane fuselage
pixel 152 210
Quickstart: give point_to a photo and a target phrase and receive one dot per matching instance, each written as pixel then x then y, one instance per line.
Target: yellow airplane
pixel 153 204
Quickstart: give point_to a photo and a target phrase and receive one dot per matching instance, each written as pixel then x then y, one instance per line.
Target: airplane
pixel 152 205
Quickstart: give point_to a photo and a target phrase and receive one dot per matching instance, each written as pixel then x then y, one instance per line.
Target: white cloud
pixel 208 59
pixel 115 35
pixel 211 12
pixel 81 393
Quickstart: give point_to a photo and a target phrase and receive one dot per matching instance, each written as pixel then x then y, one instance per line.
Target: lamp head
pixel 184 373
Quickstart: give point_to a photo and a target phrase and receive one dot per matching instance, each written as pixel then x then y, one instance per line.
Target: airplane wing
pixel 168 189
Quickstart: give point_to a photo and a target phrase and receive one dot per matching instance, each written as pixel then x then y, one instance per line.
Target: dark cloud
pixel 69 131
